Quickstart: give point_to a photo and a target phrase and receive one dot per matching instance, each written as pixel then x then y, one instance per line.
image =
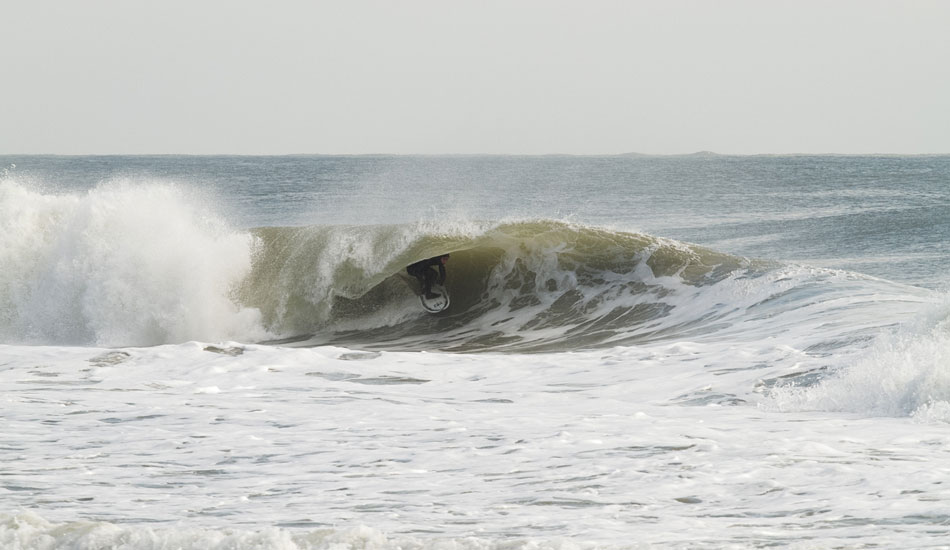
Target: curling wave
pixel 143 264
pixel 526 285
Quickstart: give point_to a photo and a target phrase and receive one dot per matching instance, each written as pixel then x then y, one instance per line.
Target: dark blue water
pixel 882 216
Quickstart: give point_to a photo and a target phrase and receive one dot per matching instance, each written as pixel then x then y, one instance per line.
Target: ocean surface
pixel 695 351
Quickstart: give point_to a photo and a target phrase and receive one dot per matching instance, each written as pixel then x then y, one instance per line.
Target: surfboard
pixel 438 303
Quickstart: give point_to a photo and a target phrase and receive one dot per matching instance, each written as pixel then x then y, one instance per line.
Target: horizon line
pixel 704 153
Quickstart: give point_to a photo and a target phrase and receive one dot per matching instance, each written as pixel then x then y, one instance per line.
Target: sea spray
pixel 121 264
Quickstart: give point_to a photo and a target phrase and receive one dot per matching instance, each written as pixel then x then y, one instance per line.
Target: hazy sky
pixel 440 76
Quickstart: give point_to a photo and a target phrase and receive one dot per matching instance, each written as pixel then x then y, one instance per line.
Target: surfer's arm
pixel 441 274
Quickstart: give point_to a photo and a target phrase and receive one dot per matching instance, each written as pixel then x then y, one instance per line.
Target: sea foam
pixel 121 264
pixel 29 531
pixel 903 373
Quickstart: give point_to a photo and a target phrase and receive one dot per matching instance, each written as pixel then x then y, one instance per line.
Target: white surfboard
pixel 438 303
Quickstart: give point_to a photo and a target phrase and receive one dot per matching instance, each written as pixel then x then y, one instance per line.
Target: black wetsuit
pixel 426 276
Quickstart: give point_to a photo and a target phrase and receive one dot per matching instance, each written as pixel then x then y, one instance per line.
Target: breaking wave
pixel 532 284
pixel 143 264
pixel 123 264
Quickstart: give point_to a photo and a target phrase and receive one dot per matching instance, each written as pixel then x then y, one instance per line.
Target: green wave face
pixel 526 285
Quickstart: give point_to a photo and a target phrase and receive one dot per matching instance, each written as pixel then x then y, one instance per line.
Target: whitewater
pixel 641 352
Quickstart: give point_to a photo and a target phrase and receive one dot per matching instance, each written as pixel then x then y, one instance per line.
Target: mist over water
pixel 788 208
pixel 701 351
pixel 120 264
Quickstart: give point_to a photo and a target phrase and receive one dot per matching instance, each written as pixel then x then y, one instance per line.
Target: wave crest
pixel 530 284
pixel 132 263
pixel 123 264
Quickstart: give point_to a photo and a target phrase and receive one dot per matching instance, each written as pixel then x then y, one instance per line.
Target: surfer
pixel 426 276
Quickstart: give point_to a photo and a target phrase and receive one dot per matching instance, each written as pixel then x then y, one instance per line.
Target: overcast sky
pixel 441 76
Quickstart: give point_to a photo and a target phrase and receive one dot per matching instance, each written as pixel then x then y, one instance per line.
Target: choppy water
pixel 704 351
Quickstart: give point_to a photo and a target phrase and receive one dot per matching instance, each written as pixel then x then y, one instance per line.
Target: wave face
pixel 537 284
pixel 142 264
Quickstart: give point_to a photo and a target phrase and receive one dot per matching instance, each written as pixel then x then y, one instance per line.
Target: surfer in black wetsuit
pixel 426 276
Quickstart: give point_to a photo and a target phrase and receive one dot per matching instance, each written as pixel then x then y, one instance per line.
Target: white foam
pixel 299 448
pixel 30 531
pixel 904 373
pixel 121 264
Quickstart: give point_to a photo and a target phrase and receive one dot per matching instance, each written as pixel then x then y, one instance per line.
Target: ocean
pixel 699 351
